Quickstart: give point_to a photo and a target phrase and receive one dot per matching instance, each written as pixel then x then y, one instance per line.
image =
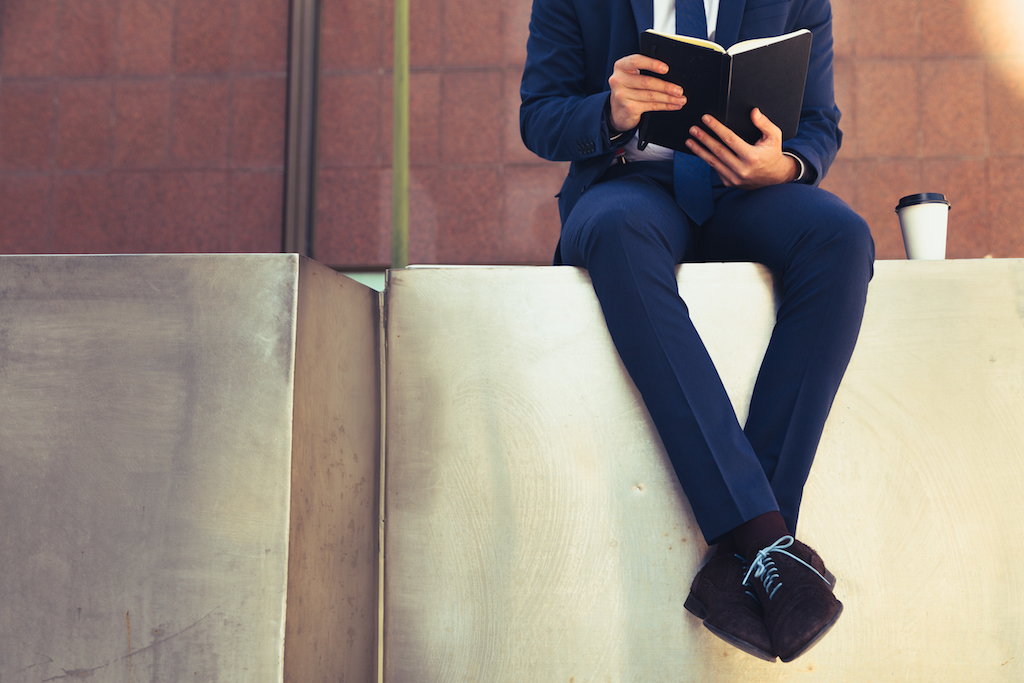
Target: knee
pixel 591 236
pixel 627 230
pixel 857 242
pixel 610 228
pixel 847 242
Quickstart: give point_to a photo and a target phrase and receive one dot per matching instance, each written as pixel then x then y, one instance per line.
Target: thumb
pixel 769 131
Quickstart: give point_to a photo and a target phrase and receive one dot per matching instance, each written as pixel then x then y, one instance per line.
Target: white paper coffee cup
pixel 923 219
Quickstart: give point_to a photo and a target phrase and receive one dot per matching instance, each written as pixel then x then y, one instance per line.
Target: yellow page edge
pixel 743 46
pixel 701 42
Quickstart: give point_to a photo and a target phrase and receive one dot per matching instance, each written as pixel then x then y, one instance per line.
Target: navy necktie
pixel 691 175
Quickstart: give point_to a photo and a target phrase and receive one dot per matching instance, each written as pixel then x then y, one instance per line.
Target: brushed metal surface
pixel 147 476
pixel 535 531
pixel 331 630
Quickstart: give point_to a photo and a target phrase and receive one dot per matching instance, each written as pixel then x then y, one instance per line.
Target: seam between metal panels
pixel 382 310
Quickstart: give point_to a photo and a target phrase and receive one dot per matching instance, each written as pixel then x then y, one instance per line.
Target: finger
pixel 627 73
pixel 628 105
pixel 725 171
pixel 671 97
pixel 765 125
pixel 733 141
pixel 643 99
pixel 721 151
pixel 640 82
pixel 625 85
pixel 637 62
pixel 639 101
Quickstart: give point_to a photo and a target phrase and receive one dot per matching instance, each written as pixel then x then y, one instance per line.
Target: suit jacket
pixel 574 44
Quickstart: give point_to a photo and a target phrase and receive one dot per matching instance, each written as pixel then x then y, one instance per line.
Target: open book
pixel 768 73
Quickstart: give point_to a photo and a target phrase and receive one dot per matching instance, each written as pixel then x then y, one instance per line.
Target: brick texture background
pixel 159 125
pixel 142 125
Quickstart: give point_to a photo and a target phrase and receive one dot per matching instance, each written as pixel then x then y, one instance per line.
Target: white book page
pixel 754 43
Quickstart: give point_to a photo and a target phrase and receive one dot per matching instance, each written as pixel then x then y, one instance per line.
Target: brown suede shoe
pixel 799 608
pixel 728 609
pixel 811 557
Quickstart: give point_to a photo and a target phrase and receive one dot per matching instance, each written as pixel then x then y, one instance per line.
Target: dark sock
pixel 761 531
pixel 727 546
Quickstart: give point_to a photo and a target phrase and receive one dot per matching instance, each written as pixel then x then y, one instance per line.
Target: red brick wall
pixel 923 86
pixel 158 125
pixel 932 94
pixel 142 125
pixel 477 195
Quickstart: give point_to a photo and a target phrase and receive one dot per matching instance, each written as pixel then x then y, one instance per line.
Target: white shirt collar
pixel 665 16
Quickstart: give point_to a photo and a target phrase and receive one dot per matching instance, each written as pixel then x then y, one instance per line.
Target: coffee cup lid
pixel 922 198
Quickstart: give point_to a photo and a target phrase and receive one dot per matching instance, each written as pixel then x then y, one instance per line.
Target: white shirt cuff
pixel 800 163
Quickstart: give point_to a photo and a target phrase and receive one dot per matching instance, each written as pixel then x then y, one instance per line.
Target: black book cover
pixel 768 73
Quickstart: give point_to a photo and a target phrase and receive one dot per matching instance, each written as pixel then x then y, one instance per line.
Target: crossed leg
pixel 629 233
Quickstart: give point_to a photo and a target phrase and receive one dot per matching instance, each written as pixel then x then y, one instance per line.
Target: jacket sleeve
pixel 561 117
pixel 818 137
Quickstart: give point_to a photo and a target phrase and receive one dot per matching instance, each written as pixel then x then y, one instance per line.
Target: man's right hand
pixel 633 93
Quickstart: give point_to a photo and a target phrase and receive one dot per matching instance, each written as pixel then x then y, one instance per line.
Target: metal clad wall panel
pixel 332 572
pixel 145 447
pixel 536 532
pixel 146 470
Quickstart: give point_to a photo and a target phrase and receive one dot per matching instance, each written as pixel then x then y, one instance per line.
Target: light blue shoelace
pixel 763 567
pixel 749 592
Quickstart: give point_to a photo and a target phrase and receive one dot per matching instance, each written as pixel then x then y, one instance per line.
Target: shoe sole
pixel 697 609
pixel 814 641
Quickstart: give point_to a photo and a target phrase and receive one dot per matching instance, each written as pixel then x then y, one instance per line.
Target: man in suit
pixel 629 216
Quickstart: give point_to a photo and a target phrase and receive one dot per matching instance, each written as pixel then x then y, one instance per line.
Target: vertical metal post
pixel 400 137
pixel 300 157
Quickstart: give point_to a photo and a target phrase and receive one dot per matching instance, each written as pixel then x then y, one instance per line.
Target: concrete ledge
pixel 535 532
pixel 188 470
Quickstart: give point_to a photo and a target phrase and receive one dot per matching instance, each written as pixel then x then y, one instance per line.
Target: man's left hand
pixel 740 164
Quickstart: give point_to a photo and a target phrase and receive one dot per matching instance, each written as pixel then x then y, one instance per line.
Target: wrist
pixel 614 134
pixel 798 167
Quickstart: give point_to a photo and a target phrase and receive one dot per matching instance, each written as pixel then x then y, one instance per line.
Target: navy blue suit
pixel 623 224
pixel 573 45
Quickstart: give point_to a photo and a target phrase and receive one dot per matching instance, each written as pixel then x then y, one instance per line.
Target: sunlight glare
pixel 999 25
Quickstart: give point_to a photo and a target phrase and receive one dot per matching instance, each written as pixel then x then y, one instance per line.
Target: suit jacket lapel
pixel 730 15
pixel 643 11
